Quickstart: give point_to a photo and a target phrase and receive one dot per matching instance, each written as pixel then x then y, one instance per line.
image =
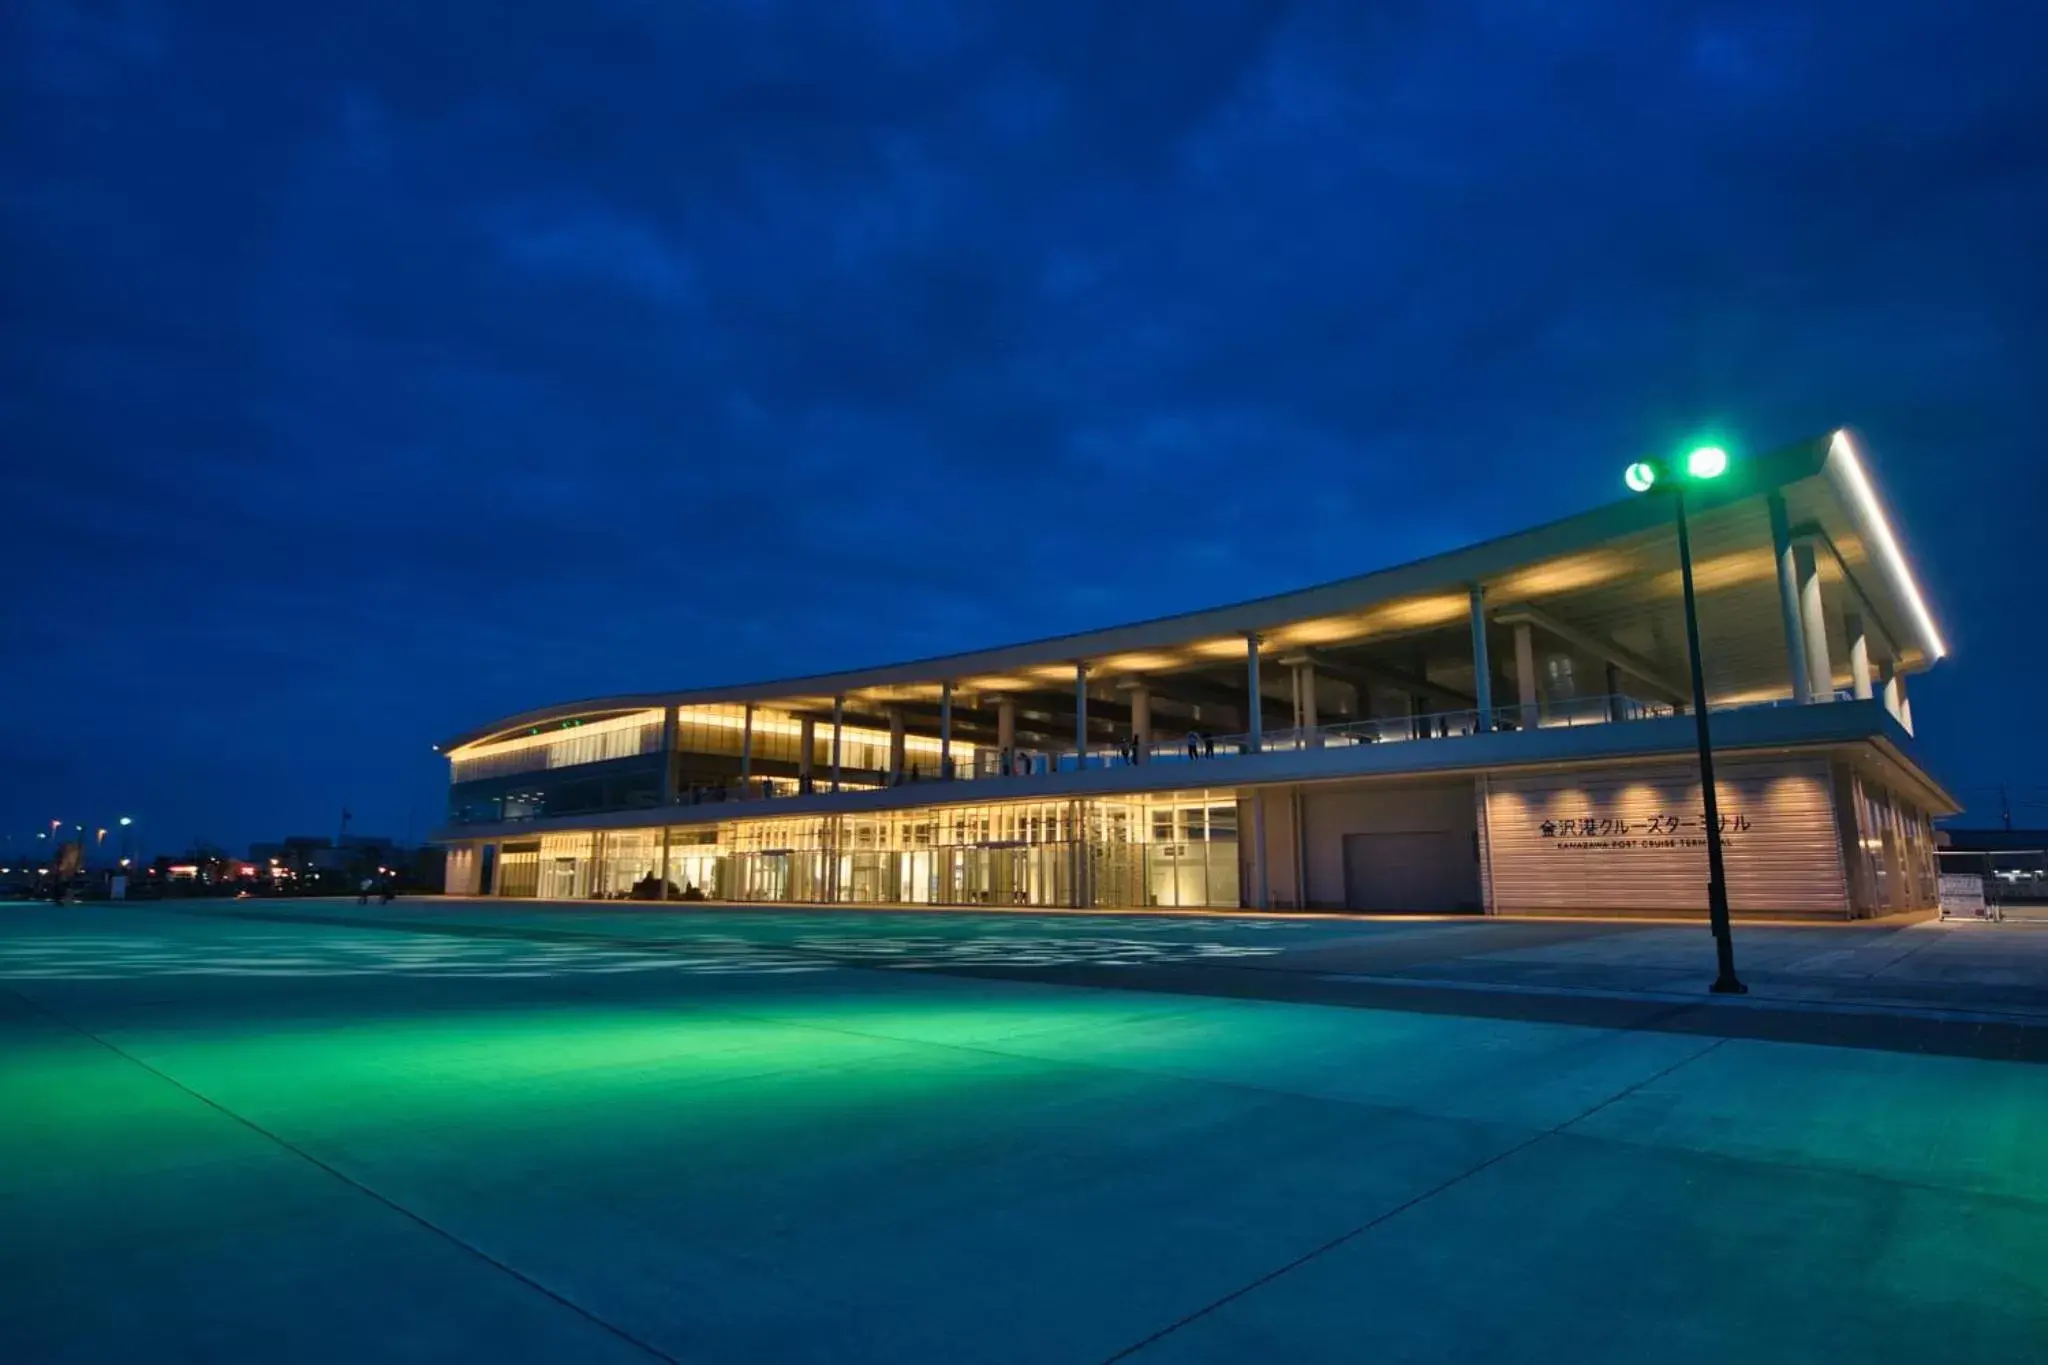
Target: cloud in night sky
pixel 369 374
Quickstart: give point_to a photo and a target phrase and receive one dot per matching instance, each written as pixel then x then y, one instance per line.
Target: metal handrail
pixel 990 764
pixel 1566 713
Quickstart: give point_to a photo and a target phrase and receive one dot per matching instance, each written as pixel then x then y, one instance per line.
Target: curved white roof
pixel 1607 569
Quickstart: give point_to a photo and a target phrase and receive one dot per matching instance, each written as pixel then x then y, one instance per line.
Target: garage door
pixel 1425 871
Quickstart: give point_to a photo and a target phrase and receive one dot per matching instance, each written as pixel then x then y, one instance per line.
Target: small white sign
pixel 1962 896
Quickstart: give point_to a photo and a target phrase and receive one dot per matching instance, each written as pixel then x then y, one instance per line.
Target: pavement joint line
pixel 1752 1001
pixel 1342 1238
pixel 478 1252
pixel 1927 941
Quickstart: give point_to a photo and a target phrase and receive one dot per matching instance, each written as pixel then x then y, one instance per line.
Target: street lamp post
pixel 1707 462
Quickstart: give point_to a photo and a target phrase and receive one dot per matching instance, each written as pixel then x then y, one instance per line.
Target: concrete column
pixel 1892 689
pixel 1006 724
pixel 1820 671
pixel 1525 676
pixel 1482 667
pixel 946 728
pixel 1859 656
pixel 1788 599
pixel 1080 717
pixel 664 862
pixel 1307 676
pixel 1301 669
pixel 895 744
pixel 1141 714
pixel 834 826
pixel 838 726
pixel 806 747
pixel 1616 707
pixel 1080 824
pixel 747 749
pixel 1262 898
pixel 1905 702
pixel 668 755
pixel 1255 708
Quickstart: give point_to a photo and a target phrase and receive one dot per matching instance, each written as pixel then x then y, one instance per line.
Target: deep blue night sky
pixel 369 371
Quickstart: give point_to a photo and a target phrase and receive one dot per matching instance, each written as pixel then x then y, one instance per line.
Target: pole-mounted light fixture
pixel 1701 464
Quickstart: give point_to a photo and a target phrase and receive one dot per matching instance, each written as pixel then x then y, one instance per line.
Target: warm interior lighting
pixel 540 738
pixel 1230 647
pixel 996 682
pixel 1881 528
pixel 1422 611
pixel 1329 630
pixel 1138 663
pixel 1721 572
pixel 1754 696
pixel 1560 575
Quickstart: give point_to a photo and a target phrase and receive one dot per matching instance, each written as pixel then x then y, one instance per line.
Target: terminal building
pixel 1501 729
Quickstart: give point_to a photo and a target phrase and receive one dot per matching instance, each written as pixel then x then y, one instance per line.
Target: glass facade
pixel 632 783
pixel 1895 847
pixel 570 745
pixel 586 767
pixel 1174 850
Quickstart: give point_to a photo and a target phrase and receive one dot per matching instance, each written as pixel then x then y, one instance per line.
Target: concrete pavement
pixel 543 1133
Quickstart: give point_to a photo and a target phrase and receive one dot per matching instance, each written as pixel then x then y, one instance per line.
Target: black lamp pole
pixel 1725 981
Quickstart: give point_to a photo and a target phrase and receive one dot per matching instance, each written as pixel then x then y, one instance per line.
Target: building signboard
pixel 1962 896
pixel 1635 839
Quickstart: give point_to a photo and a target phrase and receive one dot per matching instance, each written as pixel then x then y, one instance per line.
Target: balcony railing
pixel 1200 747
pixel 991 765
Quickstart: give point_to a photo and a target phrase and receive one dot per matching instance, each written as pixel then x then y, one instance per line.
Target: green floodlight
pixel 1707 462
pixel 1640 476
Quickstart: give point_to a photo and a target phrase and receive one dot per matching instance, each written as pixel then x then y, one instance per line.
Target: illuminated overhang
pixel 548 732
pixel 1883 545
pixel 1140 661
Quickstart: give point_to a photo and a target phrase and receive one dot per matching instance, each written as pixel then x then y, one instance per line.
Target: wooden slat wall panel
pixel 1782 845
